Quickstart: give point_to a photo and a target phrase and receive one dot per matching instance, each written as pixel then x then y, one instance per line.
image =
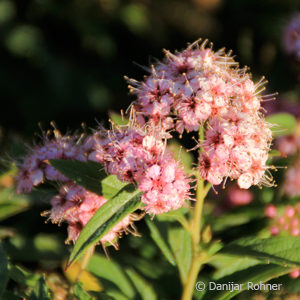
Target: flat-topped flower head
pixel 199 88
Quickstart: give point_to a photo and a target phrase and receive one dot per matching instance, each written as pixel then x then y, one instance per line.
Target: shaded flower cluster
pixel 201 89
pixel 75 206
pixel 35 167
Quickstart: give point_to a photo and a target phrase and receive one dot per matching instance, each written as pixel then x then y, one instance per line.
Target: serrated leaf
pixel 143 287
pixel 158 239
pixel 87 174
pixel 278 250
pixel 111 271
pixel 40 291
pixel 107 216
pixel 181 244
pixel 4 273
pixel 256 274
pixel 285 124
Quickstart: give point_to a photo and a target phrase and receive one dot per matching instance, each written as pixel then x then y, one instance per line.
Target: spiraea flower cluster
pixel 139 156
pixel 193 90
pixel 201 89
pixel 75 206
pixel 292 37
pixel 134 155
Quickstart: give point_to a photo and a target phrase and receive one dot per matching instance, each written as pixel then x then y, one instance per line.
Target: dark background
pixel 65 60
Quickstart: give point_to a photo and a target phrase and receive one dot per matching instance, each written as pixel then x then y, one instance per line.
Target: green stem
pixel 198 258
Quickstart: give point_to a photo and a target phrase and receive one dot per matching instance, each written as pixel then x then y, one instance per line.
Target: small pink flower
pixel 289 211
pixel 239 196
pixel 295 274
pixel 274 230
pixel 271 211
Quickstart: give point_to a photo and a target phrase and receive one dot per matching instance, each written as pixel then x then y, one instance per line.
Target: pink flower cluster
pixel 75 206
pixel 286 222
pixel 133 154
pixel 198 88
pixel 35 167
pixel 236 150
pixel 292 37
pixel 140 156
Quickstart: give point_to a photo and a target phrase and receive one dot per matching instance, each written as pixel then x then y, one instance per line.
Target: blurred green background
pixel 65 60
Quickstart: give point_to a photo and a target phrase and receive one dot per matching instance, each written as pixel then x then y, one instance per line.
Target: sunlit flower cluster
pixel 201 89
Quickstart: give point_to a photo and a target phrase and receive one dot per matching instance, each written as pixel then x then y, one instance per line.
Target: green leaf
pixel 143 287
pixel 107 216
pixel 236 217
pixel 111 185
pixel 80 293
pixel 112 272
pixel 227 264
pixel 254 275
pixel 284 124
pixel 279 250
pixel 87 174
pixel 91 176
pixel 158 239
pixel 23 277
pixel 181 244
pixel 40 291
pixel 4 273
